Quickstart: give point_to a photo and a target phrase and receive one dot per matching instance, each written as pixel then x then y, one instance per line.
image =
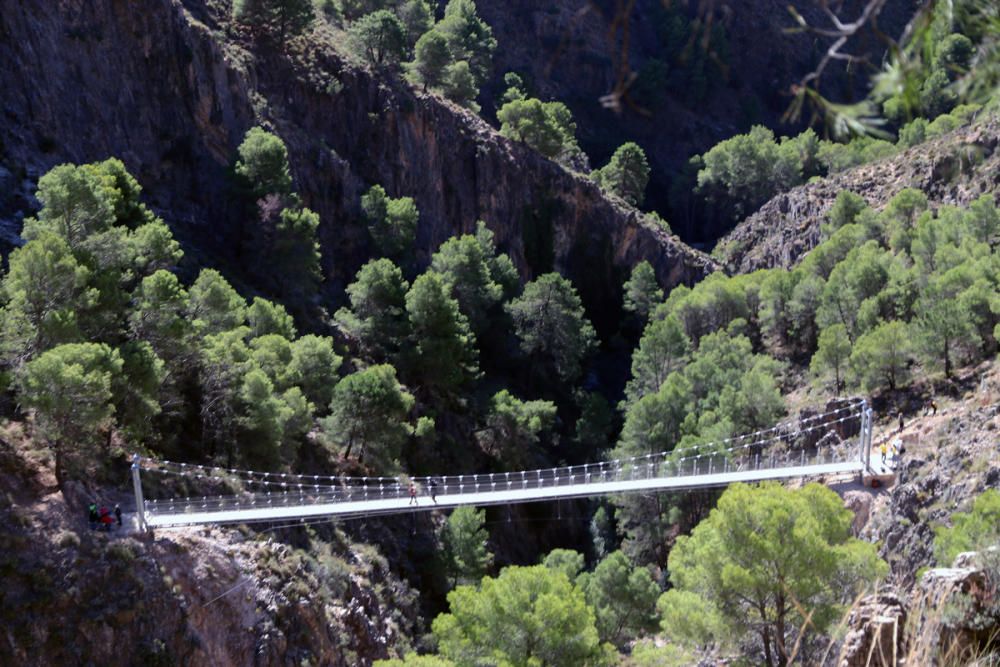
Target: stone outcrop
pixel 875 630
pixel 958 610
pixel 191 597
pixel 170 87
pixel 953 169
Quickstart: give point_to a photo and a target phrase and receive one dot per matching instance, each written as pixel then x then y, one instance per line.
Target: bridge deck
pixel 193 513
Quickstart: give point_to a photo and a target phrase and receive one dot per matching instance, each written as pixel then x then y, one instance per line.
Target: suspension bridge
pixel 836 442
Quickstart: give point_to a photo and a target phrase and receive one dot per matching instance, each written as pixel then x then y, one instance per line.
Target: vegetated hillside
pixel 696 73
pixel 199 375
pixel 171 89
pixel 953 169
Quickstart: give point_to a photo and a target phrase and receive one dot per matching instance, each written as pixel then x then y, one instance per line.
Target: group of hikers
pixel 432 485
pixel 103 517
pixel 895 448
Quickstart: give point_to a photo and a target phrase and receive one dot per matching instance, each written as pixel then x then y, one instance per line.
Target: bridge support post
pixel 865 437
pixel 140 503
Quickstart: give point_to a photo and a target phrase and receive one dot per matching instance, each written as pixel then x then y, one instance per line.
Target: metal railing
pixel 264 490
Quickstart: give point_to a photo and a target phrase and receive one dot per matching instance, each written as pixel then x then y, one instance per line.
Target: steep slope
pixel 952 169
pixel 578 51
pixel 199 597
pixel 171 89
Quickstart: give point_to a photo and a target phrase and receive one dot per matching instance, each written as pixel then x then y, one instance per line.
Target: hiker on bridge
pixel 434 486
pixel 413 493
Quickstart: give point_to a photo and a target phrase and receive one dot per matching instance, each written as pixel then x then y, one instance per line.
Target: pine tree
pixel 278 18
pixel 263 162
pixel 380 37
pixel 463 542
pixel 627 174
pixel 551 325
pixel 368 410
pixel 442 352
pixel 377 316
pixel 431 59
pixel 642 291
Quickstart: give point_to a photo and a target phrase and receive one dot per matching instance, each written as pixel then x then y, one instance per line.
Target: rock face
pixel 171 87
pixel 957 609
pixel 953 169
pixel 875 632
pixel 578 52
pixel 199 597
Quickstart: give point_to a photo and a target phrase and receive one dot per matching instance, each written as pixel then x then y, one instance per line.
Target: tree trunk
pixel 60 465
pixel 779 632
pixel 765 637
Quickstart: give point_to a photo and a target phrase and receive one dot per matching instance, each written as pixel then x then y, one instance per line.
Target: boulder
pixel 860 503
pixel 875 632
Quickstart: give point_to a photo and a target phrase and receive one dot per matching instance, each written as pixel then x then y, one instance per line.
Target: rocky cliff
pixel 170 87
pixel 72 596
pixel 952 169
pixel 735 70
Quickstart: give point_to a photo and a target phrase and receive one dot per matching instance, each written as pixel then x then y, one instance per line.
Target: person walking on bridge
pixel 434 489
pixel 413 493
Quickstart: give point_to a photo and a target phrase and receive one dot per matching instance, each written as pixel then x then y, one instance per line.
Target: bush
pixel 970 531
pixel 67 539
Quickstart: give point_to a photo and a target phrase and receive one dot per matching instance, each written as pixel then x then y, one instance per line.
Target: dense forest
pixel 389 341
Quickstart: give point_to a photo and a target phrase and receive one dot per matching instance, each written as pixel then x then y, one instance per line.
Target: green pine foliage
pixel 479 277
pixel 974 530
pixel 71 389
pixel 454 57
pixel 765 556
pixel 623 597
pixel 525 616
pixel 514 429
pixel 379 37
pixel 431 59
pixel 392 223
pixel 626 174
pixel 278 19
pixel 548 127
pixel 368 415
pixel 464 546
pixel 377 315
pixel 417 17
pixel 263 162
pixel 442 355
pixel 552 327
pixel 96 275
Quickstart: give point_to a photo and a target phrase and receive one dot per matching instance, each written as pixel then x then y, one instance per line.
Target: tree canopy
pixel 551 325
pixel 626 174
pixel 525 616
pixel 765 556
